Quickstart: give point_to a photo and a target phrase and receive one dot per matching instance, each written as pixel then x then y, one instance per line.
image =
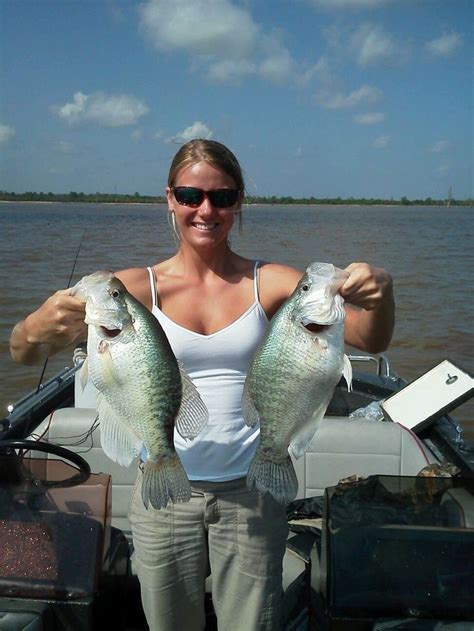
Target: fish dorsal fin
pixel 249 411
pixel 193 413
pixel 302 439
pixel 347 372
pixel 118 442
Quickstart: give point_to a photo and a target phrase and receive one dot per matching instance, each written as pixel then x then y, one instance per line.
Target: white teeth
pixel 205 226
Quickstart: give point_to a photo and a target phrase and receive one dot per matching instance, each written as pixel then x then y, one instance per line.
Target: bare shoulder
pixel 137 282
pixel 277 283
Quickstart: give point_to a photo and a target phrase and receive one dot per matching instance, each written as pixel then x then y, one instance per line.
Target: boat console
pixel 56 542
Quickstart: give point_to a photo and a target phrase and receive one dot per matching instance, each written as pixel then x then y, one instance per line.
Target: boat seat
pixel 356 446
pixel 341 447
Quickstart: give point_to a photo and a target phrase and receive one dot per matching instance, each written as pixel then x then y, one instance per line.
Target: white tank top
pixel 217 364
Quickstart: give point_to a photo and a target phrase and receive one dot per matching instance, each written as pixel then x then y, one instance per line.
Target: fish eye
pixel 305 287
pixel 115 293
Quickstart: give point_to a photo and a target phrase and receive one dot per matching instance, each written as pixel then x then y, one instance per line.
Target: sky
pixel 323 98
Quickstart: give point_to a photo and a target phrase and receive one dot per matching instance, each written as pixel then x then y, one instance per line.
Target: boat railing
pixel 381 362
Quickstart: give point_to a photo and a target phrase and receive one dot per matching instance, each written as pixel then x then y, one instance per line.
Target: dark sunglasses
pixel 194 197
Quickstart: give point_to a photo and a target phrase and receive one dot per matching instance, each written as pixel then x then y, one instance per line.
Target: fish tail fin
pixel 277 478
pixel 165 480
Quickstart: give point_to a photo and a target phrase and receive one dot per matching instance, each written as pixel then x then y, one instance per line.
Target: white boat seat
pixel 344 447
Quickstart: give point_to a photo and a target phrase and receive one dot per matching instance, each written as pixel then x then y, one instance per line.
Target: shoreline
pixel 246 204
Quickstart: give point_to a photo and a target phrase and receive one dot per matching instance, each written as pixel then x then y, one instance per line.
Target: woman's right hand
pixel 55 325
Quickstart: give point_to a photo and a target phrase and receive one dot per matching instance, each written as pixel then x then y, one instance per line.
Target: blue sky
pixel 316 97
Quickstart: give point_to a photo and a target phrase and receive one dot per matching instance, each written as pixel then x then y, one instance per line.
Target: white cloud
pixel 319 71
pixel 443 170
pixel 276 67
pixel 196 130
pixel 336 100
pixel 445 45
pixel 440 146
pixel 349 4
pixel 381 142
pixel 201 27
pixel 115 110
pixel 372 118
pixel 63 146
pixel 221 39
pixel 372 46
pixel 6 133
pixel 227 69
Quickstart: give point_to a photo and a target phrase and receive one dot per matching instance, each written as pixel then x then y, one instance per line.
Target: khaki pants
pixel 237 534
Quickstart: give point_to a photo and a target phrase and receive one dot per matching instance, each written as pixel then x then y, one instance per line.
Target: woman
pixel 214 306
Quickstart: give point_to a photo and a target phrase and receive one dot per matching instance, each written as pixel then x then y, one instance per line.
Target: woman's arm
pixel 369 326
pixel 368 292
pixel 55 325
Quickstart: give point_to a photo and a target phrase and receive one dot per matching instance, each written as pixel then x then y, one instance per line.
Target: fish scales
pixel 160 388
pixel 292 377
pixel 144 393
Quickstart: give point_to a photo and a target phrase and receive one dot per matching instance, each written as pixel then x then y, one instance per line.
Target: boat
pixel 381 532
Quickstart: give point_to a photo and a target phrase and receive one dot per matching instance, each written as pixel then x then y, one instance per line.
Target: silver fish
pixel 292 377
pixel 143 391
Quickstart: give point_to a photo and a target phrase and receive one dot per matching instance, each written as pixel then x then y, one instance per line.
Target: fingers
pixel 367 287
pixel 59 320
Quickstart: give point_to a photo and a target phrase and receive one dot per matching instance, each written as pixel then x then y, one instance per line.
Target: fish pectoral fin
pixel 118 442
pixel 303 437
pixel 84 373
pixel 347 372
pixel 110 375
pixel 193 414
pixel 249 411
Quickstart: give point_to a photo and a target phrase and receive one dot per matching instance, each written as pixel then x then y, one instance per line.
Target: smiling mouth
pixel 110 333
pixel 205 227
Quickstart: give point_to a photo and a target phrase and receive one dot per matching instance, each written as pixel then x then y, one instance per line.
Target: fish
pixel 292 377
pixel 143 391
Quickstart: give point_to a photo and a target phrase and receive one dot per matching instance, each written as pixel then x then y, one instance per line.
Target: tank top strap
pixel 256 281
pixel 154 297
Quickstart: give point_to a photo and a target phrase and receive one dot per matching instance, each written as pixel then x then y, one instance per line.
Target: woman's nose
pixel 206 208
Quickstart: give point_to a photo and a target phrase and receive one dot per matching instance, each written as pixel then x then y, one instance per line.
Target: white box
pixel 429 397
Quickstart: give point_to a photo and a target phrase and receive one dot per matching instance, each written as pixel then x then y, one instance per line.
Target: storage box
pixel 393 546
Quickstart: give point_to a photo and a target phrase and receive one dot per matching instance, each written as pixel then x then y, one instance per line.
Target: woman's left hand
pixel 367 287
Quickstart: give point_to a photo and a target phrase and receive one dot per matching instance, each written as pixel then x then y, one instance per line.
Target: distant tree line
pixel 136 198
pixel 73 196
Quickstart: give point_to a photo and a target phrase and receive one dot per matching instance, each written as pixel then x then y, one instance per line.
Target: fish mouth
pixel 110 333
pixel 314 327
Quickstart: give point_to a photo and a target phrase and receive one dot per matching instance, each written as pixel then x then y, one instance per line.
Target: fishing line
pixel 69 441
pixel 67 287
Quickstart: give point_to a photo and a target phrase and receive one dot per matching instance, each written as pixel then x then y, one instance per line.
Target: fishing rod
pixel 67 287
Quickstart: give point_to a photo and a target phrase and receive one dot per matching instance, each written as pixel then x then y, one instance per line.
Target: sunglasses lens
pixel 219 198
pixel 223 197
pixel 188 195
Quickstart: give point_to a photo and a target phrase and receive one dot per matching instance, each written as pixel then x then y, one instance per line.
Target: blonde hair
pixel 210 151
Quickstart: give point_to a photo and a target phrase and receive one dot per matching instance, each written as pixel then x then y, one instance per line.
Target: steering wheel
pixel 81 476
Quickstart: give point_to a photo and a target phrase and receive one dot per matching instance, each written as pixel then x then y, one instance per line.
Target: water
pixel 428 250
